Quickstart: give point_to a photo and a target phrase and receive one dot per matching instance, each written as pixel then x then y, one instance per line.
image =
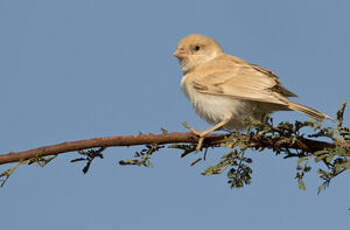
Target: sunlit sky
pixel 78 69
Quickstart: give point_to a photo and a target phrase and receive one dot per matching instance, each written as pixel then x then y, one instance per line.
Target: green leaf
pixel 164 131
pixel 186 125
pixel 301 185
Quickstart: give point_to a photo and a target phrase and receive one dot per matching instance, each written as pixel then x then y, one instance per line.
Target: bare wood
pixel 308 145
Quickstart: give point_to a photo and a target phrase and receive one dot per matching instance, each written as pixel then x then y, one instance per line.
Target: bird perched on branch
pixel 225 90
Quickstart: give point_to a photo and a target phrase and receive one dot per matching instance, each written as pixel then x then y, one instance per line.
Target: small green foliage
pixel 340 114
pixel 40 161
pixel 283 139
pixel 186 125
pixel 143 158
pixel 239 173
pixel 302 168
pixel 164 131
pixel 186 148
pixel 88 156
pixel 4 176
pixel 336 159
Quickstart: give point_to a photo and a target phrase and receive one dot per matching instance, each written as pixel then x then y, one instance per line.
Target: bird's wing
pixel 232 77
pixel 278 87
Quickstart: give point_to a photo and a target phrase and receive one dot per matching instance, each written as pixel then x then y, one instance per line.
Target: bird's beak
pixel 180 54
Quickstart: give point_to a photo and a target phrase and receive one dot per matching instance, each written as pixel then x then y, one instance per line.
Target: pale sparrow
pixel 225 90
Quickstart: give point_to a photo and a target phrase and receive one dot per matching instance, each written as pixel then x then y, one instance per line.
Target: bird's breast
pixel 214 109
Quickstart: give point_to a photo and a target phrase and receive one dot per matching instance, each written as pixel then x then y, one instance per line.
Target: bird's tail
pixel 308 111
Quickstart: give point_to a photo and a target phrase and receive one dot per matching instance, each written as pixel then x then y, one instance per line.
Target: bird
pixel 226 90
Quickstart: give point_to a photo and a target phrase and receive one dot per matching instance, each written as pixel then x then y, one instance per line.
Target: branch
pixel 256 141
pixel 284 138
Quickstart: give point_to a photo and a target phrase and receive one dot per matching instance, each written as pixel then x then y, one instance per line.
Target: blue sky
pixel 79 69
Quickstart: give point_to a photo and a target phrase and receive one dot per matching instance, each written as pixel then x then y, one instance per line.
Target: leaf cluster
pixel 283 138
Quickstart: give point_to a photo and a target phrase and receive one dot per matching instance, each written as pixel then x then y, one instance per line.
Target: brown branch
pixel 308 145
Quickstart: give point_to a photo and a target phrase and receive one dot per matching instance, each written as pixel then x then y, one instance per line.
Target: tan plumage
pixel 224 89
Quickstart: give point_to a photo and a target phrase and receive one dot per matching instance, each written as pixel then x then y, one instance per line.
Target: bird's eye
pixel 196 48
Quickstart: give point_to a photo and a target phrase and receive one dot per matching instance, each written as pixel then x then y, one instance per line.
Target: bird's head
pixel 196 49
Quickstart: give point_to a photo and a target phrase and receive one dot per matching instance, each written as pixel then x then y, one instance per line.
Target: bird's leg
pixel 204 133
